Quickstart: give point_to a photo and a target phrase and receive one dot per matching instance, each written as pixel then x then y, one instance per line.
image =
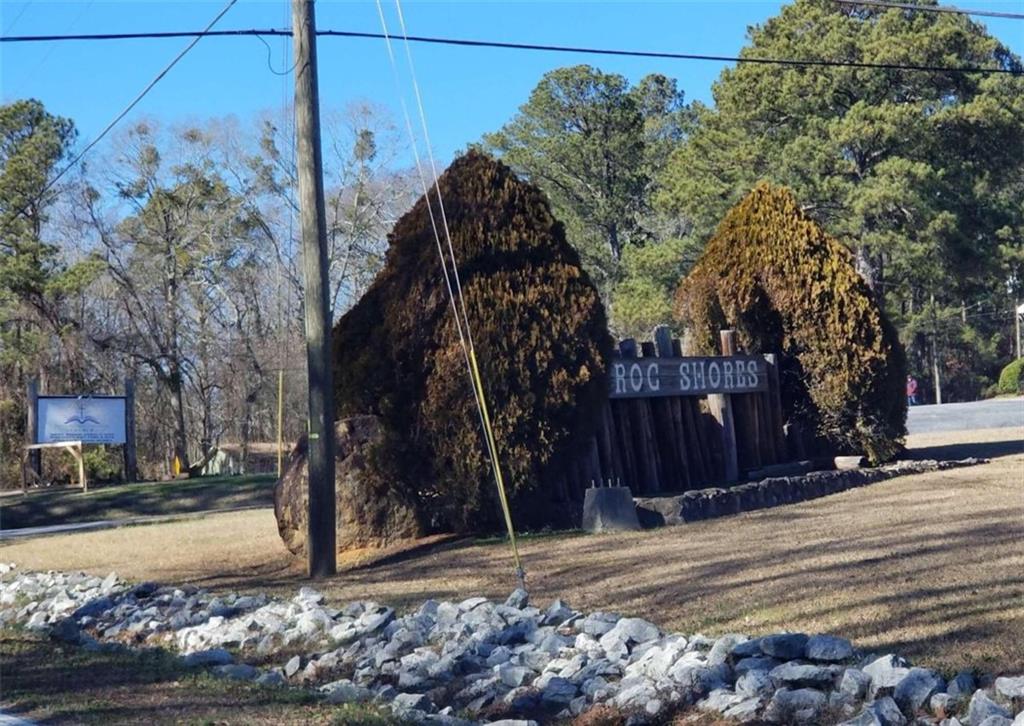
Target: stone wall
pixel 701 504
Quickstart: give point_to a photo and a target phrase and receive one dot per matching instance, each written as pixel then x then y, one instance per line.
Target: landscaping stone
pixel 855 684
pixel 800 675
pixel 962 686
pixel 982 706
pixel 944 705
pixel 1010 688
pixel 443 658
pixel 828 648
pixel 724 647
pixel 802 706
pixel 886 673
pixel 913 692
pixel 787 646
pixel 236 671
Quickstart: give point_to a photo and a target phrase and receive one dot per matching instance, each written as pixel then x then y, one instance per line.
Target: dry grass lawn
pixel 931 566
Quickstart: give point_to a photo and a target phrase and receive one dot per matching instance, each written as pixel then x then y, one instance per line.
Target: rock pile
pixel 493 660
pixel 775 491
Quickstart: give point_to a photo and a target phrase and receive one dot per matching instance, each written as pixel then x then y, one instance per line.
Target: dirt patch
pixel 929 566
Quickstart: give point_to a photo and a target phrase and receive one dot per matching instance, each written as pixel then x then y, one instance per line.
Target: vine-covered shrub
pixel 540 338
pixel 786 286
pixel 1011 378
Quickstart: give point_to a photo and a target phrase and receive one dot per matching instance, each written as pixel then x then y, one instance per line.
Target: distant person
pixel 911 391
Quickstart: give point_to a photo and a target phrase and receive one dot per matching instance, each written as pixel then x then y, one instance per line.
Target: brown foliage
pixel 786 286
pixel 540 338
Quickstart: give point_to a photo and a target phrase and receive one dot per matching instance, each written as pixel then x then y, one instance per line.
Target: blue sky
pixel 466 91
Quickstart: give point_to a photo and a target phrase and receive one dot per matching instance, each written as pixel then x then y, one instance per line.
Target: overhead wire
pixel 933 8
pixel 127 109
pixel 588 50
pixel 18 16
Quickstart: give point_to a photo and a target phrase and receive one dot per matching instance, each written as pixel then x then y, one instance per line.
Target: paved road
pixel 997 413
pixel 7 535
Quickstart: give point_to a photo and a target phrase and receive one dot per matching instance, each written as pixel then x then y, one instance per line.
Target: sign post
pixel 35 459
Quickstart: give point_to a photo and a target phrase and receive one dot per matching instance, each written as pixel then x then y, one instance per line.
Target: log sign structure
pixel 691 376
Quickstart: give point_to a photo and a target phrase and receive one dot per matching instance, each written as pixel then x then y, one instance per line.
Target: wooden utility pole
pixel 131 465
pixel 320 539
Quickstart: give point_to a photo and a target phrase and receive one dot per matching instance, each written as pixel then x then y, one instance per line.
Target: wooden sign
pixel 691 376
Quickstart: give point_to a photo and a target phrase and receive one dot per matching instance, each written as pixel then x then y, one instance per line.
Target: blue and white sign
pixel 99 420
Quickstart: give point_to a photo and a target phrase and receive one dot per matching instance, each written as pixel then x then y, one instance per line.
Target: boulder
pixel 364 517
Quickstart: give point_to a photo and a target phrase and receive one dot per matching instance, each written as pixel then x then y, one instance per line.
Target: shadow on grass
pixel 43 508
pixel 953 452
pixel 57 682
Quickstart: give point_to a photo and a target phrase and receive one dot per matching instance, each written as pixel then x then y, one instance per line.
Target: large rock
pixel 364 517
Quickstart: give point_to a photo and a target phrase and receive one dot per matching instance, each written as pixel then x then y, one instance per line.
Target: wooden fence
pixel 675 423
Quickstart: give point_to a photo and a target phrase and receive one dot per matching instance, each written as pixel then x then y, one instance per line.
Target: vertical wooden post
pixel 131 462
pixel 35 461
pixel 321 536
pixel 721 408
pixel 774 400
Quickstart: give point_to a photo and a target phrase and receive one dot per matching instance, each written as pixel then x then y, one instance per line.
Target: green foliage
pixel 1011 378
pixel 643 299
pixel 102 463
pixel 920 174
pixel 775 276
pixel 595 145
pixel 540 338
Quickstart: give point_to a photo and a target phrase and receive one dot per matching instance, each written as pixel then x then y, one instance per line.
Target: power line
pixel 127 109
pixel 465 42
pixel 932 8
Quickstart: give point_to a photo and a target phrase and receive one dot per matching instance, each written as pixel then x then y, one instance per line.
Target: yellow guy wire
pixel 468 350
pixel 474 368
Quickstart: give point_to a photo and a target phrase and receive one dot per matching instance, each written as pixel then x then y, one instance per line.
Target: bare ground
pixel 930 566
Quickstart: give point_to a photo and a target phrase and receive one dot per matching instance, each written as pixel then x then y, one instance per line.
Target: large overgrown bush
pixel 1011 378
pixel 787 287
pixel 541 342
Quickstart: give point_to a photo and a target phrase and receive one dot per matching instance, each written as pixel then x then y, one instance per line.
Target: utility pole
pixel 320 538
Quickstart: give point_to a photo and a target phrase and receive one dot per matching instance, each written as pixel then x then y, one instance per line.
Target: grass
pixel 46 681
pixel 928 566
pixel 67 506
